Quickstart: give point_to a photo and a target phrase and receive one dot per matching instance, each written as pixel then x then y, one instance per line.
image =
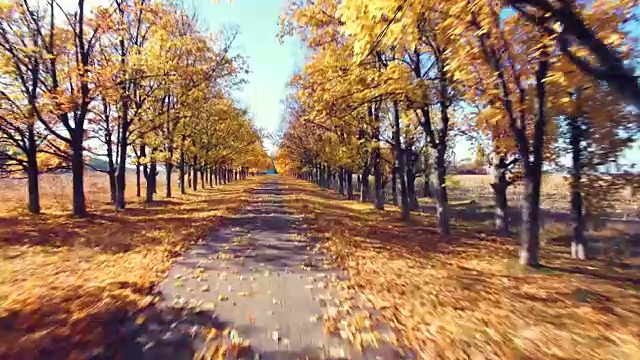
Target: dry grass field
pixel 554 195
pixel 66 282
pixel 56 192
pixel 614 235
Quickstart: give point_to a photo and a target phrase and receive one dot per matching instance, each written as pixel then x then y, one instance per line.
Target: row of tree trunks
pixel 342 179
pixel 187 175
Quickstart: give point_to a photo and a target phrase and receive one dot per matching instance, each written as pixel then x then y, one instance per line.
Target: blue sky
pixel 271 63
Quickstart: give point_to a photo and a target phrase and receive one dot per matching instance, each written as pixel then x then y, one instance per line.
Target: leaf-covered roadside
pixel 467 298
pixel 66 283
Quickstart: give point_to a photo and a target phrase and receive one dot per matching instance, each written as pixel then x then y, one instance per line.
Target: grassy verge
pixel 466 297
pixel 65 282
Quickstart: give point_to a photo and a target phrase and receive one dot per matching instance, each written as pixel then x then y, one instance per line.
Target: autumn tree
pixel 596 126
pixel 121 99
pixel 135 75
pixel 21 97
pixel 69 85
pixel 411 31
pixel 594 52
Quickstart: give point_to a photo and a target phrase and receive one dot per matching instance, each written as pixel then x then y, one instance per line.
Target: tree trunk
pixel 77 170
pixel 442 201
pixel 195 173
pixel 579 243
pixel 404 199
pixel 121 181
pixel 399 166
pixel 501 221
pixel 364 184
pixel 394 184
pixel 411 180
pixel 151 177
pixel 426 190
pixel 202 177
pixel 113 188
pixel 530 240
pixel 210 176
pixel 332 182
pixel 499 186
pixel 34 191
pixel 329 176
pixel 349 184
pixel 341 181
pixel 183 187
pixel 376 161
pixel 377 179
pixel 216 171
pixel 189 172
pixel 318 179
pixel 32 174
pixel 111 171
pixel 138 185
pixel 530 220
pixel 168 169
pixel 426 166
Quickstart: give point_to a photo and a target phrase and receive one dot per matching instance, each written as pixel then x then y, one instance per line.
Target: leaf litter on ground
pixel 464 298
pixel 67 278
